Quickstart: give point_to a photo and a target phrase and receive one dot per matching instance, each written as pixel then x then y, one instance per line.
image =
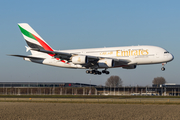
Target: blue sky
pixel 89 24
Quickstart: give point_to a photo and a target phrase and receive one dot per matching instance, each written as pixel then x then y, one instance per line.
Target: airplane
pixel 91 59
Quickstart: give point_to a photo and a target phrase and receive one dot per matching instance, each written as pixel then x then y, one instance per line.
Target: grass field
pixel 74 111
pixel 90 107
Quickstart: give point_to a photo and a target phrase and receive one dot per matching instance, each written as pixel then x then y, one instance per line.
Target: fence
pixel 48 91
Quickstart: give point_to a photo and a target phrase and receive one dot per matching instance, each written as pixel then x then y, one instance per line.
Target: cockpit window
pixel 166 52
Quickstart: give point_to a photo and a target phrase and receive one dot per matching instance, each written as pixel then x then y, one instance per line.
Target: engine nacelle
pixel 105 63
pixel 130 67
pixel 79 60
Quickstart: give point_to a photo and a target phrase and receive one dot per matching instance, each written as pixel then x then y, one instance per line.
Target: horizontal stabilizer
pixel 52 52
pixel 24 56
pixel 27 48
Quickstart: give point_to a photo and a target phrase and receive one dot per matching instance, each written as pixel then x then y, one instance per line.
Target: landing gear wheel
pixel 87 71
pixel 98 72
pixel 163 69
pixel 91 72
pixel 107 72
pixel 95 72
pixel 104 71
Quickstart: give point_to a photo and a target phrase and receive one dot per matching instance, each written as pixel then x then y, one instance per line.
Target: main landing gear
pixel 96 72
pixel 163 68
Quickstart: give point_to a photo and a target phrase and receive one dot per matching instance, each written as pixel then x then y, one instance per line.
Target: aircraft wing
pixel 24 56
pixel 92 60
pixel 62 54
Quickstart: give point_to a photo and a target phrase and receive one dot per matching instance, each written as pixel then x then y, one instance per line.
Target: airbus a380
pixel 91 59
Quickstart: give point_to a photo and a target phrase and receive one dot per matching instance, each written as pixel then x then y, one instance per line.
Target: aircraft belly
pixel 58 63
pixel 144 60
pixel 148 60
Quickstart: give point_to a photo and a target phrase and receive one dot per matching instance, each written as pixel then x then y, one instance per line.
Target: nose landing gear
pixel 163 68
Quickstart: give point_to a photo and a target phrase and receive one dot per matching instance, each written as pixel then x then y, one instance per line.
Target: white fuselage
pixel 137 55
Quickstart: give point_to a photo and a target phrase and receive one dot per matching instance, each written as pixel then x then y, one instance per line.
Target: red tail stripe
pixel 45 46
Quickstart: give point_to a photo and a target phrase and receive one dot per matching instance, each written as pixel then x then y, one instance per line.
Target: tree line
pixel 116 81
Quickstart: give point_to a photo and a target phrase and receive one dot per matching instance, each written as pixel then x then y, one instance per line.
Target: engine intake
pixel 79 60
pixel 105 63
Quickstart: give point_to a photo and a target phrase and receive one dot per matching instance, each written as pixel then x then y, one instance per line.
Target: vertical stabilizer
pixel 32 39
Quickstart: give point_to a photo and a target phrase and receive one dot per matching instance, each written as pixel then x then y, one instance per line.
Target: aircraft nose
pixel 171 57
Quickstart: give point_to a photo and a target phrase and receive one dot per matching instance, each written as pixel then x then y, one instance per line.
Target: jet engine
pixel 79 60
pixel 105 63
pixel 129 67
